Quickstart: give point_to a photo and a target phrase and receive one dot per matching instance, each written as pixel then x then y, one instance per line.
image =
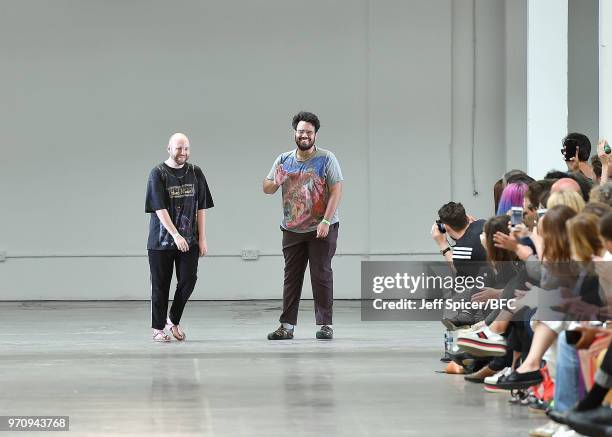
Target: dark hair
pixel 515 176
pixel 605 226
pixel 583 143
pixel 597 208
pixel 536 189
pixel 583 183
pixel 453 214
pixel 308 117
pixel 493 225
pixel 557 174
pixel 498 189
pixel 596 164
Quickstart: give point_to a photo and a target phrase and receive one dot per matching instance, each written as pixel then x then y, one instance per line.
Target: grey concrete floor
pixel 95 362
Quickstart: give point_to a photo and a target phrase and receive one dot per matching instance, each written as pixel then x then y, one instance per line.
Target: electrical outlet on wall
pixel 250 254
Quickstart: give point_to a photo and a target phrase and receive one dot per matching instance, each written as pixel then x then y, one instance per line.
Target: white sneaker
pixel 547 430
pixel 564 431
pixel 482 343
pixel 490 382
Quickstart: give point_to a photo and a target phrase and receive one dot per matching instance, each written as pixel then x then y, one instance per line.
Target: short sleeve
pixel 333 174
pixel 156 192
pixel 277 161
pixel 205 199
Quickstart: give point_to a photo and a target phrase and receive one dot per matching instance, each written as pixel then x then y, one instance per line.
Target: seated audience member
pixel 588 410
pixel 602 193
pixel 466 256
pixel 512 196
pixel 567 198
pixel 584 184
pixel 516 176
pixel 585 243
pixel 507 270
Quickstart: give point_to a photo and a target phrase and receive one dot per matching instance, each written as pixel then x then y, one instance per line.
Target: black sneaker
pixel 597 421
pixel 518 380
pixel 325 333
pixel 281 334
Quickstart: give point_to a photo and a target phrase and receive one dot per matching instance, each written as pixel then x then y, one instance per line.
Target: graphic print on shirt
pixel 304 193
pixel 181 191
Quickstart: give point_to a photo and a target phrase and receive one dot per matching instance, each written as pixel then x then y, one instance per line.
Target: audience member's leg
pixel 543 338
pixel 567 378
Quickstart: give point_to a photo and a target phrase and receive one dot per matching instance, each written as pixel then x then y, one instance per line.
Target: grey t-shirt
pixel 306 188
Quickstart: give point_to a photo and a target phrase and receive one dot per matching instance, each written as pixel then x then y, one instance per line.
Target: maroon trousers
pixel 299 250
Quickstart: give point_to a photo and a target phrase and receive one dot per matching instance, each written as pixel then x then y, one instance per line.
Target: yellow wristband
pixel 327 222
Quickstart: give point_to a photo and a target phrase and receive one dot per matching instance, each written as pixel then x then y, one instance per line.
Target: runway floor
pixel 95 362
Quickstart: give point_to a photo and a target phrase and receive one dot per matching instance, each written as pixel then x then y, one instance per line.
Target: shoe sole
pixel 590 429
pixel 519 385
pixel 536 410
pixel 475 380
pixel 494 389
pixel 284 338
pixel 481 349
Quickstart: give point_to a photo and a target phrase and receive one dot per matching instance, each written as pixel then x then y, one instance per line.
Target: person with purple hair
pixel 512 196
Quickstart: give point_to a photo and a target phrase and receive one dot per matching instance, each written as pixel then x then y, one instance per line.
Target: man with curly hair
pixel 311 182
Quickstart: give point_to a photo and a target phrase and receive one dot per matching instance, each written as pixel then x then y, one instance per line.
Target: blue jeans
pixel 567 382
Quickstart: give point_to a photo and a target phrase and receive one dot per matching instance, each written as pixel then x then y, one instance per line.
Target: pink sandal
pixel 176 330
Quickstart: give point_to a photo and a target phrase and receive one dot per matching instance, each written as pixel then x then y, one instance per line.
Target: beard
pixel 180 160
pixel 305 144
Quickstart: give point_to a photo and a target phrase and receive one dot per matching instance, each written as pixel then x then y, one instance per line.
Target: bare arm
pixel 269 187
pixel 335 193
pixel 605 162
pixel 442 243
pixel 165 220
pixel 203 246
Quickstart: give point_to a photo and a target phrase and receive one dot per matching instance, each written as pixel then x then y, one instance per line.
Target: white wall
pixel 93 89
pixel 547 85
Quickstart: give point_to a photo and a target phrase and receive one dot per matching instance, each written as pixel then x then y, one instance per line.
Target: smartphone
pixel 516 215
pixel 441 227
pixel 541 212
pixel 569 149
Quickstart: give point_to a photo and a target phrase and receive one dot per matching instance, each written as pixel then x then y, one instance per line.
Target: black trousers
pixel 300 250
pixel 162 263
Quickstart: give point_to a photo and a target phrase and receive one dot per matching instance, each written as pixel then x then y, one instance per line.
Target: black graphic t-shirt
pixel 469 256
pixel 182 191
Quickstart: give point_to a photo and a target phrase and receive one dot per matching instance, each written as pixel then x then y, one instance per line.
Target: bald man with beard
pixel 177 197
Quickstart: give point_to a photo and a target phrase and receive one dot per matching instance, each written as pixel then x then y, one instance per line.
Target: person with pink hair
pixel 512 196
